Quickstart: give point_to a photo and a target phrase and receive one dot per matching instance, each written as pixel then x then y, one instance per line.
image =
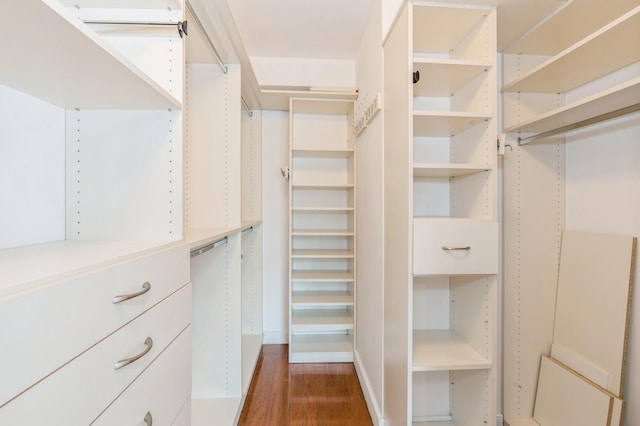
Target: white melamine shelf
pixel 322 210
pixel 278 99
pixel 522 422
pixel 613 99
pixel 321 254
pixel 322 186
pixel 445 123
pixel 321 348
pixel 433 170
pixel 333 106
pixel 440 29
pixel 220 411
pixel 321 319
pixel 321 276
pixel 575 66
pixel 438 350
pixel 571 22
pixel 321 233
pixel 321 298
pixel 123 4
pixel 251 347
pixel 61 60
pixel 23 268
pixel 200 237
pixel 321 153
pixel 444 77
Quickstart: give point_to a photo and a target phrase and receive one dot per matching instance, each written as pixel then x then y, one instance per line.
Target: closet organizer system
pixel 111 177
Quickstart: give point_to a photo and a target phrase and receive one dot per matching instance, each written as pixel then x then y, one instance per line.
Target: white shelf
pixel 322 186
pixel 437 350
pixel 342 105
pixel 321 320
pixel 321 348
pixel 123 4
pixel 444 77
pixel 576 66
pixel 200 237
pixel 321 233
pixel 321 254
pixel 321 153
pixel 445 123
pixel 324 276
pixel 220 411
pixel 322 210
pixel 615 98
pixel 521 422
pixel 60 60
pixel 321 298
pixel 278 98
pixel 440 29
pixel 23 268
pixel 573 21
pixel 434 170
pixel 251 347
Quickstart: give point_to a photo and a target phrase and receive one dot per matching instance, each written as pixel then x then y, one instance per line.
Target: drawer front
pixel 454 247
pixel 159 393
pixel 78 392
pixel 68 317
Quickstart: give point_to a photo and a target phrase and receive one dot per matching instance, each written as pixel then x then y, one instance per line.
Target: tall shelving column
pixel 441 229
pixel 322 231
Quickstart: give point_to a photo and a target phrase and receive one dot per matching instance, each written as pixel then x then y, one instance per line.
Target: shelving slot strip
pixel 593 120
pixel 215 244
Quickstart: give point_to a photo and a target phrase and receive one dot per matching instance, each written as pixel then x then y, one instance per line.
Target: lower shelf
pixel 327 320
pixel 321 348
pixel 219 411
pixel 436 350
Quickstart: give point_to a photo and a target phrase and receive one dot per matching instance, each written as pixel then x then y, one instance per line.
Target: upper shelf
pixel 124 4
pixel 618 98
pixel 571 22
pixel 61 60
pixel 445 123
pixel 444 77
pixel 278 98
pixel 434 170
pixel 613 47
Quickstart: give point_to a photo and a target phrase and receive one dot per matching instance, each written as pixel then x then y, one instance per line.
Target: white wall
pixel 275 220
pixel 603 195
pixel 390 9
pixel 369 214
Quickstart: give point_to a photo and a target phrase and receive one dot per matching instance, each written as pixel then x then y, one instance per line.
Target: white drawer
pixel 78 392
pixel 51 325
pixel 158 393
pixel 454 247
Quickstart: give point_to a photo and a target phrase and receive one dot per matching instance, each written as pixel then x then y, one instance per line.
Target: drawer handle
pixel 124 362
pixel 145 288
pixel 148 420
pixel 447 248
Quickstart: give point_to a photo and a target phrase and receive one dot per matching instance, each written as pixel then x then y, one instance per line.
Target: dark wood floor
pixel 303 394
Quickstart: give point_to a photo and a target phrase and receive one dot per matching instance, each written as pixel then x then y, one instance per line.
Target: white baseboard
pixel 275 337
pixel 372 404
pixel 500 421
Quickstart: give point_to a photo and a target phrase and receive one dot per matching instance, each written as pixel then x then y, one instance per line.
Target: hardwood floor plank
pixel 303 394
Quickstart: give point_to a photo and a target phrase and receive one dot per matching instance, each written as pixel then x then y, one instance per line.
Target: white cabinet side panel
pixel 32 158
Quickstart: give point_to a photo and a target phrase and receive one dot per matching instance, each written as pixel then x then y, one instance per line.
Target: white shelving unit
pixel 322 231
pixel 441 253
pixel 541 86
pixel 223 225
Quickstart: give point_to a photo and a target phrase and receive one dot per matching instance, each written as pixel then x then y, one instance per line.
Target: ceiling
pixel 332 29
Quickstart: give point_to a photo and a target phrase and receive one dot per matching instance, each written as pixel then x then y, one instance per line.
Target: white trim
pixel 372 404
pixel 275 338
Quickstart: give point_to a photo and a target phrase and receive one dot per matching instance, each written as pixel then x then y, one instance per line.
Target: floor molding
pixel 372 404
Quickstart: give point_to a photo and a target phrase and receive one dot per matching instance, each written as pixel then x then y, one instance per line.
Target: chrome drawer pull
pixel 145 288
pixel 148 420
pixel 124 362
pixel 446 248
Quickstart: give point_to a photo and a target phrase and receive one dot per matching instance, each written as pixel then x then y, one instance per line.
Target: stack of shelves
pixel 540 71
pixel 223 227
pixel 322 231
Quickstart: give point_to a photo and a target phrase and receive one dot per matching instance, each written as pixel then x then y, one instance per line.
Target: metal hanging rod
pixel 246 106
pixel 204 249
pixel 249 229
pixel 579 124
pixel 222 64
pixel 181 25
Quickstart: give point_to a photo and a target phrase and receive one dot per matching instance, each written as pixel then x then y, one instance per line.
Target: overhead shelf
pixel 321 153
pixel 321 298
pixel 445 123
pixel 575 66
pixel 444 77
pixel 431 170
pixel 568 24
pixel 62 61
pixel 273 98
pixel 624 98
pixel 322 276
pixel 123 4
pixel 321 254
pixel 438 350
